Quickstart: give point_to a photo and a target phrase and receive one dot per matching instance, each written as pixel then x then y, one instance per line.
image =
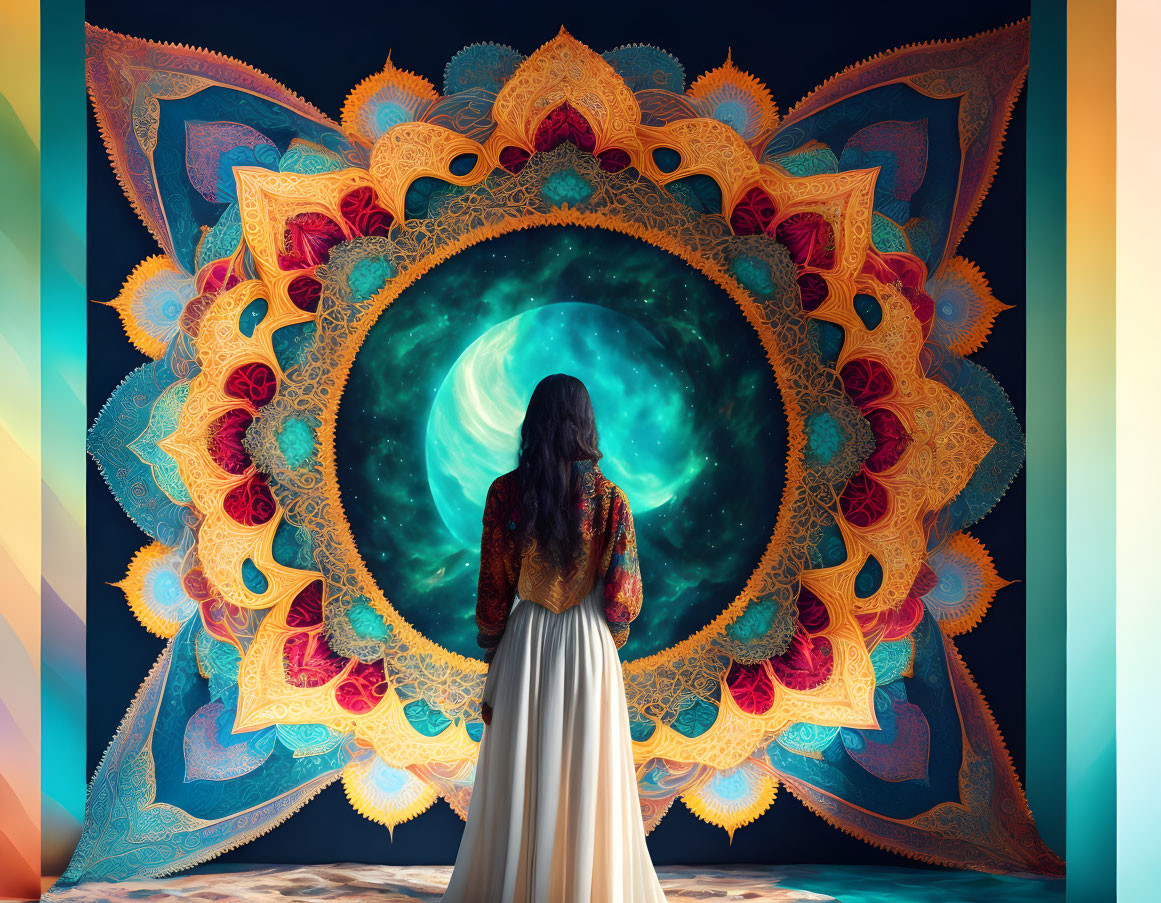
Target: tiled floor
pixel 683 884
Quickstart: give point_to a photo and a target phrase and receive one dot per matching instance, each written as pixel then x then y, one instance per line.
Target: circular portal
pixel 688 412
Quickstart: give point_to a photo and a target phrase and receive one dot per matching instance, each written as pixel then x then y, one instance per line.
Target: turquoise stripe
pixel 63 421
pixel 1045 585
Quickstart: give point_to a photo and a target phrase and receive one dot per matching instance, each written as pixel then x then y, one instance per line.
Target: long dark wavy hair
pixel 558 428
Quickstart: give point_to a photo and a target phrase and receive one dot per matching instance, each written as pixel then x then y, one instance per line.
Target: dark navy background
pixel 321 51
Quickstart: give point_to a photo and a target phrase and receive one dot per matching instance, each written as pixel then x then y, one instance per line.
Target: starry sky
pixel 688 414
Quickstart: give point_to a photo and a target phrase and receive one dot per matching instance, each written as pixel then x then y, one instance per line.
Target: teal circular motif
pixel 388 114
pixel 367 623
pixel 734 114
pixel 567 187
pixel 754 274
pixel 368 276
pixel 824 436
pixel 688 410
pixel 730 785
pixel 296 442
pixel 168 594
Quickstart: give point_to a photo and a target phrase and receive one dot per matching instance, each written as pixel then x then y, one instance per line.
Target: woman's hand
pixel 486 712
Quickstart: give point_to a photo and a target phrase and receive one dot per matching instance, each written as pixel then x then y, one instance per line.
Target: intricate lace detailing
pixel 607 550
pixel 804 676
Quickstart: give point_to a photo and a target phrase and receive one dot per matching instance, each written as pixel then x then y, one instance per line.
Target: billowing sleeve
pixel 621 569
pixel 498 570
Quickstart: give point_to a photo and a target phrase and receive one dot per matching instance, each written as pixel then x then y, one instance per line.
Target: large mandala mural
pixel 344 323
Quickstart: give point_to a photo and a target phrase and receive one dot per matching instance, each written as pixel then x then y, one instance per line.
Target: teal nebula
pixel 647 435
pixel 688 411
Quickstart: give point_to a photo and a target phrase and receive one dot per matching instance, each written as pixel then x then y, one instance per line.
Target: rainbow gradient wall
pixel 42 429
pixel 20 451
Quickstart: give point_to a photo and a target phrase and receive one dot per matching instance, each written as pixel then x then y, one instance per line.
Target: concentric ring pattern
pixel 829 668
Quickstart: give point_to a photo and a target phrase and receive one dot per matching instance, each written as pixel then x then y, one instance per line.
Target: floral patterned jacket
pixel 608 549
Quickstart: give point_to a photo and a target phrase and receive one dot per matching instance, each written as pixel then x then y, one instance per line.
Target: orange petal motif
pixel 818 673
pixel 738 99
pixel 388 98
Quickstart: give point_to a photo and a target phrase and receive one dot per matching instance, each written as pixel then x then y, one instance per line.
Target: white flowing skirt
pixel 554 815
